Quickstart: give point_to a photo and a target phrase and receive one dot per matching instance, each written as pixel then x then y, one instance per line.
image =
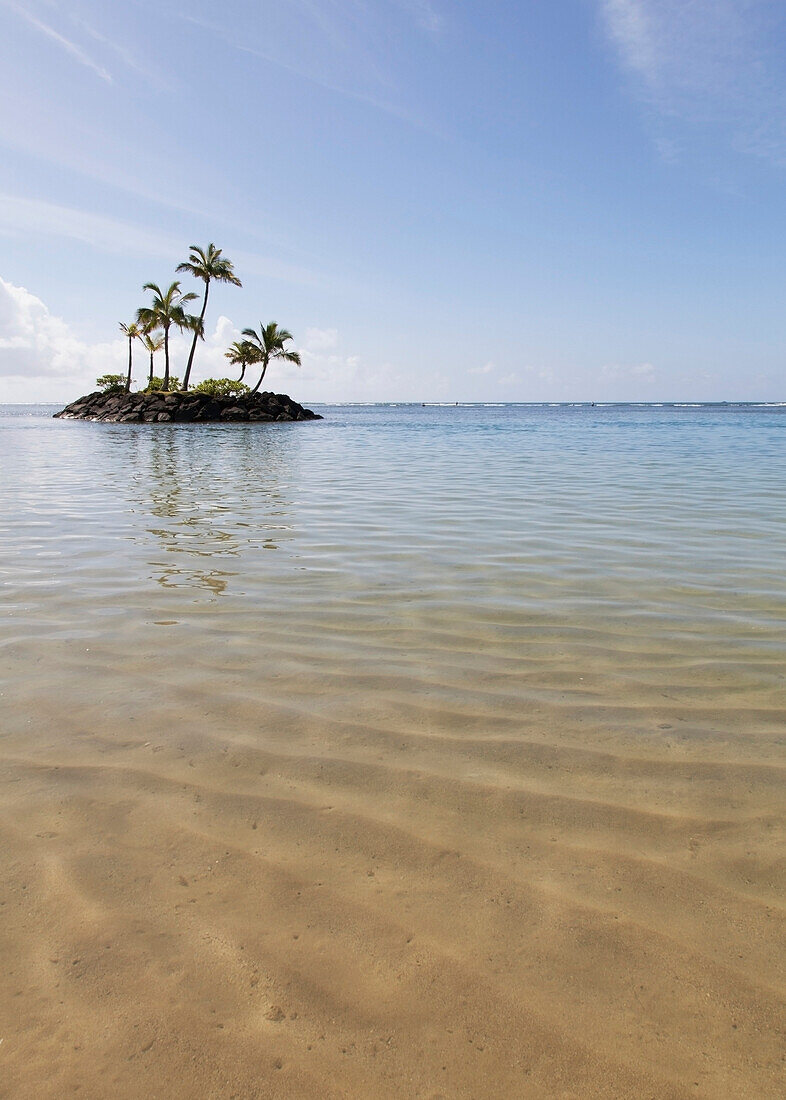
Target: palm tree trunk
pixel 150 376
pixel 259 383
pixel 196 336
pixel 242 373
pixel 128 379
pixel 166 358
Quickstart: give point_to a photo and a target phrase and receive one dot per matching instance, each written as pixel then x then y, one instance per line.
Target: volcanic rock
pixel 193 406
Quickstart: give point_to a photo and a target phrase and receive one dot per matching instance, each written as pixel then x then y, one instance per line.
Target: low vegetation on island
pixel 163 397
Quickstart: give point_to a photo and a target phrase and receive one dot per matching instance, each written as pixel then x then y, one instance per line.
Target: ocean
pixel 484 705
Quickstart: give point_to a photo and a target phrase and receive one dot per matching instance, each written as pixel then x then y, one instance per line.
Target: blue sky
pixel 577 200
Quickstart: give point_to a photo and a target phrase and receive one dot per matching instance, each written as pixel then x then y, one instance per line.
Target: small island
pixel 181 406
pixel 163 400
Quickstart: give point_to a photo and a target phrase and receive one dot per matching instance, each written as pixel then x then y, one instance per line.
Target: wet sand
pixel 465 877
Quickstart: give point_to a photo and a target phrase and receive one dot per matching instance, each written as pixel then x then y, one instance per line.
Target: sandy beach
pixel 437 895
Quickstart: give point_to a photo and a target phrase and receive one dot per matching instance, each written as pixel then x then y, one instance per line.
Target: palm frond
pixel 147 318
pixel 208 264
pixel 241 352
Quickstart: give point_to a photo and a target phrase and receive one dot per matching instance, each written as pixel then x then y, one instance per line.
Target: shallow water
pixel 506 681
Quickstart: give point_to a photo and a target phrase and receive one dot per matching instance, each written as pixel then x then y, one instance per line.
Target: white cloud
pixel 644 371
pixel 320 339
pixel 487 368
pixel 43 359
pixel 706 63
pixel 333 376
pixel 327 373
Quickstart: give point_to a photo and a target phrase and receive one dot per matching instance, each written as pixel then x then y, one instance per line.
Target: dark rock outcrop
pixel 180 407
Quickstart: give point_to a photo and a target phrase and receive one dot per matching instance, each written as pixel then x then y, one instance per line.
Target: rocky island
pixel 179 406
pixel 163 400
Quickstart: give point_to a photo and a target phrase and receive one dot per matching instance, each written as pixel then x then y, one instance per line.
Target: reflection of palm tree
pixel 170 498
pixel 206 537
pixel 207 265
pixel 269 344
pixel 166 310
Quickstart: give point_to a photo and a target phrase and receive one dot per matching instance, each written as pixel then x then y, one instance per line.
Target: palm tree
pixel 167 310
pixel 132 332
pixel 153 344
pixel 269 344
pixel 241 354
pixel 207 265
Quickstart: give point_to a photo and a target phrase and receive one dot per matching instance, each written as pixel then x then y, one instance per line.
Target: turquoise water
pixel 611 537
pixel 676 514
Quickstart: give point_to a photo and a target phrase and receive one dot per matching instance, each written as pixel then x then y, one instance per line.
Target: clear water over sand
pixel 416 752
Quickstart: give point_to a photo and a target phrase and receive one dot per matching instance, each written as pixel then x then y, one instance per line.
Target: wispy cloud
pixel 379 99
pixel 23 217
pixel 103 158
pixel 706 63
pixel 151 76
pixel 686 51
pixel 66 44
pixel 425 14
pixel 630 26
pixel 271 58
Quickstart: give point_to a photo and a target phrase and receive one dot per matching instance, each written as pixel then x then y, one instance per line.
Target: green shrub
pixel 222 387
pixel 111 383
pixel 157 383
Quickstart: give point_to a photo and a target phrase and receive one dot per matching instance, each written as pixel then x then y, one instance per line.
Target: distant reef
pixel 162 407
